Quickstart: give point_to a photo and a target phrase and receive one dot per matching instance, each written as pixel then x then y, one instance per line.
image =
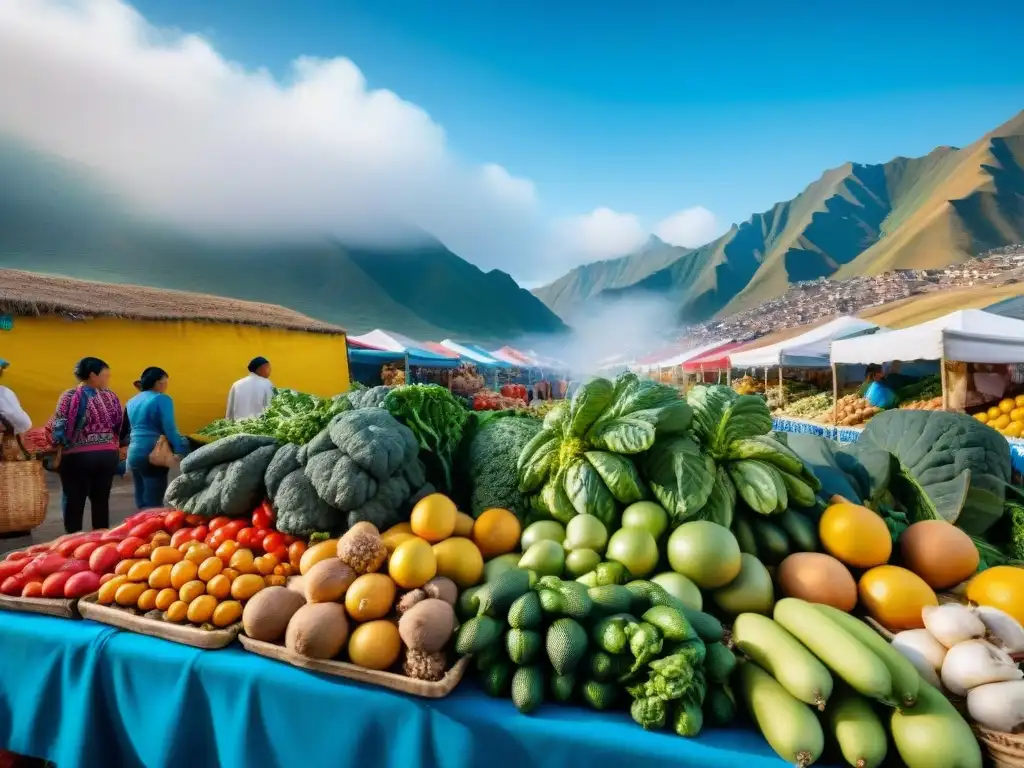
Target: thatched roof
pixel 28 293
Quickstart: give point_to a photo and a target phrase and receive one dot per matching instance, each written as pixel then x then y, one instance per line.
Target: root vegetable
pixel 998 706
pixel 922 650
pixel 975 663
pixel 952 623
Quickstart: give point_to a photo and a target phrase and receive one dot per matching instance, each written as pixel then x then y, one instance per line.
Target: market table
pixel 84 694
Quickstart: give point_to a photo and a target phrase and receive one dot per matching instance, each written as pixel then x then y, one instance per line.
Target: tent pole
pixel 835 396
pixel 782 390
pixel 945 391
pixel 408 374
pixel 728 376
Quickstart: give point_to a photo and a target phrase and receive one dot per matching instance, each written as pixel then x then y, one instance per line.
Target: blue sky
pixel 653 106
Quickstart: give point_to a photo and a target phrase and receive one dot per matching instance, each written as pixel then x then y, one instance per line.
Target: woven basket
pixel 1005 750
pixel 23 493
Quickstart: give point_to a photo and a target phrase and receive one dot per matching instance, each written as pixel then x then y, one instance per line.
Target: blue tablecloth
pixel 850 435
pixel 83 694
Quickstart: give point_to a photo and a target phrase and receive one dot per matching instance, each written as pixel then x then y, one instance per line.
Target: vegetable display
pixel 435 418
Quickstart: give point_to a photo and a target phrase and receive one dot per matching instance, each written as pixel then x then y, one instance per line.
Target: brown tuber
pixel 442 588
pixel 409 599
pixel 424 666
pixel 427 626
pixel 362 549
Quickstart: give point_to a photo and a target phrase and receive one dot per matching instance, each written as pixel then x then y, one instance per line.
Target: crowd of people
pixel 95 438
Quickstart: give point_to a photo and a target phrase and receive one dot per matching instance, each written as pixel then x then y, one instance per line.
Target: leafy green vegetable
pixel 435 417
pixel 722 417
pixel 1016 531
pixel 491 464
pixel 680 475
pixel 291 417
pixel 961 465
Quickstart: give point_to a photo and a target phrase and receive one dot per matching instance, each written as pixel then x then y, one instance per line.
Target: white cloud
pixel 600 234
pixel 197 140
pixel 689 228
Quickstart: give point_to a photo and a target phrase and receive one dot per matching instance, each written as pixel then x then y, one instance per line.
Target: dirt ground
pixel 122 504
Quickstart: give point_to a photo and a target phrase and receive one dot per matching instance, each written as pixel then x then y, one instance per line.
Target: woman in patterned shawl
pixel 90 428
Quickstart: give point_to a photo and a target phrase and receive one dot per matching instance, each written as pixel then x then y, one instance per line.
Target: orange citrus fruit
pixel 433 518
pixel 496 532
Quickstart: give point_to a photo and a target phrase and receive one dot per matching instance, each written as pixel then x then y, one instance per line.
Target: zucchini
pixel 857 729
pixel 788 725
pixel 801 530
pixel 745 536
pixel 840 651
pixel 906 680
pixel 934 735
pixel 783 657
pixel 771 540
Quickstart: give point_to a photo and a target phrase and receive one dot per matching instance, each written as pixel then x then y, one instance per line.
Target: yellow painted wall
pixel 203 360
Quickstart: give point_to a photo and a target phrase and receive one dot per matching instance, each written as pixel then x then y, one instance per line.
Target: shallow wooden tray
pixel 186 634
pixel 395 682
pixel 63 609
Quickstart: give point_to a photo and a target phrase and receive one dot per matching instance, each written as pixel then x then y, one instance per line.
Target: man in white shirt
pixel 250 396
pixel 10 409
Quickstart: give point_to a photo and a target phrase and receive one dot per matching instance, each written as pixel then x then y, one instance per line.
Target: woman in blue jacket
pixel 151 416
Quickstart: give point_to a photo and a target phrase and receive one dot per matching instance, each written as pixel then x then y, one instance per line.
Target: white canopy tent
pixel 967 335
pixel 676 357
pixel 809 349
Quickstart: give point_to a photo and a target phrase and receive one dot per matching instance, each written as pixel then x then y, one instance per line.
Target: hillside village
pixel 808 301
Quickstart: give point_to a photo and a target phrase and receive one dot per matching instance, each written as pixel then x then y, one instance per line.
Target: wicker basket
pixel 1005 750
pixel 23 493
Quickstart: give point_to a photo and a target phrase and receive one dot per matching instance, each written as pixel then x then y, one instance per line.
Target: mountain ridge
pixel 855 219
pixel 56 218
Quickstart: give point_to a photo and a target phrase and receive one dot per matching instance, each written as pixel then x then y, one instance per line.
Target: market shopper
pixel 12 415
pixel 151 416
pixel 250 396
pixel 878 394
pixel 88 429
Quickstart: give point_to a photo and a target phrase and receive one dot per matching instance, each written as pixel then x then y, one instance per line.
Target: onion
pixel 921 649
pixel 974 663
pixel 952 623
pixel 998 706
pixel 1004 630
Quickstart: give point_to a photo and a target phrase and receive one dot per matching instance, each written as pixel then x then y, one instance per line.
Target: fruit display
pixel 635 551
pixel 1006 418
pixel 76 565
pixel 809 658
pixel 807 407
pixel 748 385
pixel 203 576
pixel 789 392
pixel 849 411
pixel 384 602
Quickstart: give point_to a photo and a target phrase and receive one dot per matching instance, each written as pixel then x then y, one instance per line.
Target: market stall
pixel 963 342
pixel 715 361
pixel 399 359
pixel 634 575
pixel 666 365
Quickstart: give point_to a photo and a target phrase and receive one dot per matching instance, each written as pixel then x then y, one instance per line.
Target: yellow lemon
pixel 412 564
pixel 433 518
pixel 459 560
pixel 1007 405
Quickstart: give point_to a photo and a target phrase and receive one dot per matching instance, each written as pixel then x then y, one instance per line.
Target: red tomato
pixel 200 533
pixel 281 553
pixel 231 529
pixel 180 536
pixel 82 584
pixel 244 537
pixel 44 565
pixel 194 520
pixel 262 518
pixel 216 538
pixel 67 547
pixel 127 547
pixel 104 559
pixel 74 566
pixel 13 585
pixel 289 539
pixel 18 555
pixel 32 589
pixel 53 585
pixel 147 528
pixel 218 522
pixel 273 542
pixel 259 536
pixel 295 552
pixel 10 568
pixel 174 520
pixel 82 551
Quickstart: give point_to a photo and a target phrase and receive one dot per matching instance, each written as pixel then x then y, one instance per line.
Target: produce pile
pixel 79 564
pixel 809 407
pixel 931 404
pixel 850 411
pixel 790 391
pixel 384 602
pixel 748 385
pixel 1006 418
pixel 465 381
pixel 486 400
pixel 392 375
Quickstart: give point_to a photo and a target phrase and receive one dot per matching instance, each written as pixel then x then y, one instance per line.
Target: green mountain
pixel 909 213
pixel 571 291
pixel 55 218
